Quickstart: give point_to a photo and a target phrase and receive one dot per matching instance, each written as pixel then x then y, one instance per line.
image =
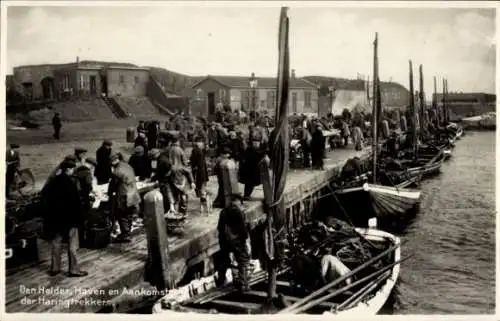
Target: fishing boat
pixel 370 287
pixel 388 195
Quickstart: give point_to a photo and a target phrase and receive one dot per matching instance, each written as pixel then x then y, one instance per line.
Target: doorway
pixel 211 104
pixel 48 86
pixel 28 89
pixel 93 85
pixel 104 85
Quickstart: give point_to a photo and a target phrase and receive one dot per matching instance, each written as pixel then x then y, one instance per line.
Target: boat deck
pixel 121 266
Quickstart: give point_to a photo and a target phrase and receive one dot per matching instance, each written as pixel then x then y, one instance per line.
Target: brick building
pixel 252 93
pixel 80 80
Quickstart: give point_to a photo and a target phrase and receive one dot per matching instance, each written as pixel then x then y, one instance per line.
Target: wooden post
pixel 229 179
pixel 157 266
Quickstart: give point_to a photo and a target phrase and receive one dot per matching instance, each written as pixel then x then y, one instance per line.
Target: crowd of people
pixel 161 156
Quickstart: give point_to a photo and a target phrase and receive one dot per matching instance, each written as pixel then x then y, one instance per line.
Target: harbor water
pixel 452 238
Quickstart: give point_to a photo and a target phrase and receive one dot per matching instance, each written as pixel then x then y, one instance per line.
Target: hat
pixel 226 150
pixel 114 156
pixel 107 143
pixel 71 158
pixel 67 163
pixel 80 150
pixel 154 153
pixel 139 150
pixel 14 145
pixel 91 161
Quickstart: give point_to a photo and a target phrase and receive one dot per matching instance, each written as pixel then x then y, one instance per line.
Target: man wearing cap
pixel 175 153
pixel 198 161
pixel 81 157
pixel 140 163
pixel 56 123
pixel 233 238
pixel 62 218
pixel 249 170
pixel 123 196
pixel 141 140
pixel 103 168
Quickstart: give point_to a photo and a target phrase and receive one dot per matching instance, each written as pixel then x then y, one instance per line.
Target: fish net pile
pixel 338 238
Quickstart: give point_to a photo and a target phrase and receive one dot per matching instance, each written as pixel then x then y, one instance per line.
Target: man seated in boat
pixel 233 237
pixel 332 267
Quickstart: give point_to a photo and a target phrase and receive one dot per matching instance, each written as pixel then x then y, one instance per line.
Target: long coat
pixel 64 208
pixel 176 156
pixel 103 168
pixel 124 185
pixel 198 162
pixel 249 171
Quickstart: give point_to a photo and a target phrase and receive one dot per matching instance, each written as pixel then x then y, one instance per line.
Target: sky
pixel 231 39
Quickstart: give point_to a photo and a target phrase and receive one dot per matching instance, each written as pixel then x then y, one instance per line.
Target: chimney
pixel 293 73
pixel 77 59
pixel 253 75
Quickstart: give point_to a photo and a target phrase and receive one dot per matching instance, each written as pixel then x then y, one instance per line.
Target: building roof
pixel 262 82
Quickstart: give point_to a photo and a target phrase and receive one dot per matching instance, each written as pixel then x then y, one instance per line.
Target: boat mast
pixel 422 101
pixel 434 103
pixel 279 156
pixel 374 107
pixel 413 111
pixel 445 117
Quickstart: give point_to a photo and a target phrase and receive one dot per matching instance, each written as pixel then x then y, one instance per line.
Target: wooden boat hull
pixel 371 306
pixel 383 202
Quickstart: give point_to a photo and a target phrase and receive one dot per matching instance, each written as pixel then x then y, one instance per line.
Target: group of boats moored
pixel 380 187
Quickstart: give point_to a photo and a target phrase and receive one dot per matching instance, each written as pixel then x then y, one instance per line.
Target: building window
pixel 308 99
pixel 262 104
pixel 222 94
pixel 271 99
pixel 199 94
pixel 122 79
pixel 136 79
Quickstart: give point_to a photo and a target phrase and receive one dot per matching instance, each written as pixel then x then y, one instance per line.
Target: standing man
pixel 198 161
pixel 56 123
pixel 318 147
pixel 124 196
pixel 63 217
pixel 13 165
pixel 103 168
pixel 233 238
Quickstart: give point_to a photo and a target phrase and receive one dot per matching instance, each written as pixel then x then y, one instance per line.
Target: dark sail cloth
pixel 233 234
pixel 249 171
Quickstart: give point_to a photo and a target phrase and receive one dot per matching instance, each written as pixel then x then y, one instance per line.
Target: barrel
pixel 385 128
pixel 130 134
pixel 404 124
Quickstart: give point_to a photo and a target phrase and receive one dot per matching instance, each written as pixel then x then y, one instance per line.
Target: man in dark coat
pixel 13 165
pixel 233 238
pixel 56 124
pixel 123 196
pixel 250 167
pixel 152 134
pixel 141 140
pixel 318 147
pixel 63 217
pixel 103 168
pixel 83 176
pixel 198 161
pixel 140 163
pixel 305 138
